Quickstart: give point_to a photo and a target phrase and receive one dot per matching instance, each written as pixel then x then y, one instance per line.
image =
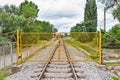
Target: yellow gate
pixel 88 42
pixel 34 41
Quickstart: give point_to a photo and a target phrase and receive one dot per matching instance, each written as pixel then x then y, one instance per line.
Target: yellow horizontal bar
pixel 59 60
pixel 38 45
pixel 34 33
pixel 85 32
pixel 57 33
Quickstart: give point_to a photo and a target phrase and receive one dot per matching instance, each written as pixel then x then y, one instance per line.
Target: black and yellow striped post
pixel 18 47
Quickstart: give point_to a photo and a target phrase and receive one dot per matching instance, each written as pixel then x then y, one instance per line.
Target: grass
pixel 79 45
pixel 3 76
pixel 5 69
pixel 117 64
pixel 4 72
pixel 93 54
pixel 41 41
pixel 115 78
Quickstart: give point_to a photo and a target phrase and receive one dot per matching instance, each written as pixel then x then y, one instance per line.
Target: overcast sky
pixel 64 14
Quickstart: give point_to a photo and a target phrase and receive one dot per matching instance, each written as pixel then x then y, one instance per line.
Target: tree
pixel 12 9
pixel 115 31
pixel 116 13
pixel 90 15
pixel 41 26
pixel 46 26
pixel 112 37
pixel 109 3
pixel 22 18
pixel 29 9
pixel 79 27
pixel 112 3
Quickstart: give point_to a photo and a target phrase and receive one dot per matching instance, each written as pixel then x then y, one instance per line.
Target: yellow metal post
pixel 59 55
pixel 20 45
pixel 97 47
pixel 100 47
pixel 18 48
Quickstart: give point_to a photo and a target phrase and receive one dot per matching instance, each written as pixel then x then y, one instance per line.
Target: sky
pixel 64 14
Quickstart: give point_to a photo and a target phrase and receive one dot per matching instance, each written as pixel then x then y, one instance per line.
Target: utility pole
pixel 105 19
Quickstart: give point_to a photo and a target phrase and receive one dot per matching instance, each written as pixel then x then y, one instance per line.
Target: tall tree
pixel 29 9
pixel 90 14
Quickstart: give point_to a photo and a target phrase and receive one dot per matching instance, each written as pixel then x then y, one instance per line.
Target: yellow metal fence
pixel 29 44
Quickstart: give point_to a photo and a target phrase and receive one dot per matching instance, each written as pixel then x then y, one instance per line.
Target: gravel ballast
pixel 61 70
pixel 89 71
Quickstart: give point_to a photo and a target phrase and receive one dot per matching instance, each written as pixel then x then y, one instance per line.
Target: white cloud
pixel 9 2
pixel 64 14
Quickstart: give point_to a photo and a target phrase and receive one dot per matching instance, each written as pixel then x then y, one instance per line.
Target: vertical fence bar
pixel 59 48
pixel 97 46
pixel 59 52
pixel 4 55
pixel 18 48
pixel 11 51
pixel 100 47
pixel 1 56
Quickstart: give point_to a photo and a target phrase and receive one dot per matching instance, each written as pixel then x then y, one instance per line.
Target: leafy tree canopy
pixel 29 9
pixel 116 13
pixel 22 18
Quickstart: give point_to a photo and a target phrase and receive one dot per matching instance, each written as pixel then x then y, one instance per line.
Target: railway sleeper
pixel 55 70
pixel 58 75
pixel 58 66
pixel 57 79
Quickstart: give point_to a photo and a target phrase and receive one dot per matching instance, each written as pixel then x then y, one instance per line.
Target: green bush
pixel 111 39
pixel 83 36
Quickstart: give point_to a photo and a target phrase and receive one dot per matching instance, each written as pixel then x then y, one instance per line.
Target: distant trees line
pixel 23 18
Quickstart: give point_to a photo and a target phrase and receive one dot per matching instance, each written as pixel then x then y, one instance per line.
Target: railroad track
pixel 58 70
pixel 54 69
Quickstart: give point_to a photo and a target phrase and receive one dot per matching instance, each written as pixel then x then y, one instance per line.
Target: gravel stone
pixel 91 72
pixel 61 70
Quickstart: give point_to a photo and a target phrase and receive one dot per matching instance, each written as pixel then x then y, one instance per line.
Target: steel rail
pixel 46 65
pixel 69 60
